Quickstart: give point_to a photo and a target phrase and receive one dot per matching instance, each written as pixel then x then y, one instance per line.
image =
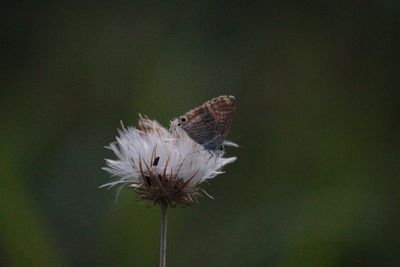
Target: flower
pixel 162 165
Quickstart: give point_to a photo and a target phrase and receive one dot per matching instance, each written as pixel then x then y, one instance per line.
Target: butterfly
pixel 209 123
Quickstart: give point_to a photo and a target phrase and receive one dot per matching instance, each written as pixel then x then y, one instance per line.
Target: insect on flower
pixel 168 165
pixel 209 123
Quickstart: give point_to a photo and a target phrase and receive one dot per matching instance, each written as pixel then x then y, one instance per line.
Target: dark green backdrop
pixel 317 86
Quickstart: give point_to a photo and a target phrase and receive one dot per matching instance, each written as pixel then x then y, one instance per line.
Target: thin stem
pixel 163 243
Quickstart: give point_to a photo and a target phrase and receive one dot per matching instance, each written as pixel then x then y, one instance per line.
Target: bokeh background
pixel 317 86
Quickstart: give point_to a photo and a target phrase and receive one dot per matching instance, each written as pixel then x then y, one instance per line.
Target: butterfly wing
pixel 199 124
pixel 209 124
pixel 222 108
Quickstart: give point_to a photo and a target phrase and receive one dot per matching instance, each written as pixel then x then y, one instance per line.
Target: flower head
pixel 161 164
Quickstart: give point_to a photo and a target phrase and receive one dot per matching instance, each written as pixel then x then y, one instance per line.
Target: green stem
pixel 163 243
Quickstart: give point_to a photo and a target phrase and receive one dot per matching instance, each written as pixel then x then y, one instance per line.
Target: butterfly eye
pixel 182 119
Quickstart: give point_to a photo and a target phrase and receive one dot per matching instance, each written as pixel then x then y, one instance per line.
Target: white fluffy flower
pixel 162 164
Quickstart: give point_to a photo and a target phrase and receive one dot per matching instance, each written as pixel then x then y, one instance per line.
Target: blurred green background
pixel 317 86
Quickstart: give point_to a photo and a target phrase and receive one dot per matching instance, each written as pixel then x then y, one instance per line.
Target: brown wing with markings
pixel 223 109
pixel 199 124
pixel 209 123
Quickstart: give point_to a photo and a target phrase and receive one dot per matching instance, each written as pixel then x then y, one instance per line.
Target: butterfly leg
pixel 212 155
